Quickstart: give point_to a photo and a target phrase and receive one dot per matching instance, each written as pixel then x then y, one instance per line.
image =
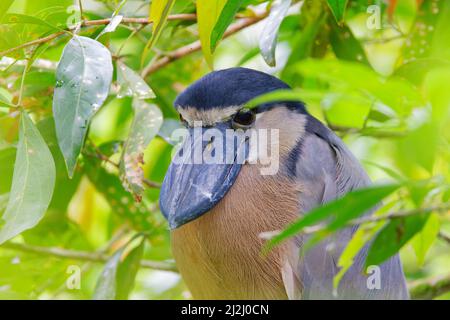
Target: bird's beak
pixel 193 186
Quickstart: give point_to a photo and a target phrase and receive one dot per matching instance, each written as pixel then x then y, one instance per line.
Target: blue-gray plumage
pixel 218 211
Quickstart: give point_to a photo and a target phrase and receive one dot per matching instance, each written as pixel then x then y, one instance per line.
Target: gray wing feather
pixel 328 170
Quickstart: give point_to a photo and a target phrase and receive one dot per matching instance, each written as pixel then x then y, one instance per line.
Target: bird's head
pixel 215 146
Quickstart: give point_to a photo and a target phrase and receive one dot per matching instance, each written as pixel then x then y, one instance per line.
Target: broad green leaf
pixel 226 17
pixel 283 95
pixel 117 278
pixel 159 11
pixel 33 182
pixel 268 40
pixel 346 109
pixel 424 239
pixel 338 9
pixel 127 270
pixel 131 84
pixel 396 93
pixel 345 45
pixel 208 13
pixel 146 123
pixel 7 157
pixel 83 78
pixel 67 187
pixel 393 237
pixel 340 211
pixel 4 6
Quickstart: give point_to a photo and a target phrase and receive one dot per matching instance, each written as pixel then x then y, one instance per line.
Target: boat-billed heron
pixel 217 210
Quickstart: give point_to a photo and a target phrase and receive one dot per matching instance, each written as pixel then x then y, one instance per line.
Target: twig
pixel 143 21
pixel 196 46
pixel 101 156
pixel 445 237
pixel 367 219
pixel 429 288
pixel 82 255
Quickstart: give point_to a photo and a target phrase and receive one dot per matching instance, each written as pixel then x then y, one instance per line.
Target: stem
pixel 196 45
pixel 82 255
pixel 143 21
pixel 429 288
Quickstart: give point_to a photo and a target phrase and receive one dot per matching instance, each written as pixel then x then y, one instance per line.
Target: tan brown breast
pixel 219 254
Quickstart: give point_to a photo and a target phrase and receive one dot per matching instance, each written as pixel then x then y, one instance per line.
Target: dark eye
pixel 183 121
pixel 243 119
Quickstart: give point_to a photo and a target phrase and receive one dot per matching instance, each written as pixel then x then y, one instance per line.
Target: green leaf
pixel 16 18
pixel 127 270
pixel 3 202
pixel 112 25
pixel 146 123
pixel 393 237
pixel 226 17
pixel 364 233
pixel 268 40
pixel 338 9
pixel 208 13
pixel 283 95
pixel 117 278
pixel 4 6
pixel 83 78
pixel 345 45
pixel 359 239
pixel 424 239
pixel 131 84
pixel 159 11
pixel 341 211
pixel 33 182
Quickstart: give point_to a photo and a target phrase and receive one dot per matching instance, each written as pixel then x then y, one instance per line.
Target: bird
pixel 217 212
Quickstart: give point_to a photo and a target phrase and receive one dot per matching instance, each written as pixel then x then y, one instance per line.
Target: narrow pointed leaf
pixel 33 182
pixel 268 41
pixel 226 17
pixel 423 241
pixel 208 13
pixel 393 237
pixel 342 210
pixel 338 9
pixel 131 84
pixel 4 6
pixel 117 278
pixel 146 123
pixel 159 11
pixel 83 77
pixel 112 25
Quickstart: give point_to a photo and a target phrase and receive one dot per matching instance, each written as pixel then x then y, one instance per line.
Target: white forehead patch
pixel 207 117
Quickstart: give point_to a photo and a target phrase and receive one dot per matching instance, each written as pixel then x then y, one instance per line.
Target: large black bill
pixel 201 173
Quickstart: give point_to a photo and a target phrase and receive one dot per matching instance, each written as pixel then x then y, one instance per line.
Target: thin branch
pixel 444 208
pixel 82 255
pixel 143 21
pixel 367 219
pixel 196 45
pixel 101 156
pixel 429 288
pixel 32 43
pixel 445 237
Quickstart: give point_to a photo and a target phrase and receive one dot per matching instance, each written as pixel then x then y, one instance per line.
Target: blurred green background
pixel 377 72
